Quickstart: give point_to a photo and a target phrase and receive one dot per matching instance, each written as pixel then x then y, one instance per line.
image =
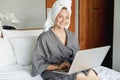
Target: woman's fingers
pixel 67 64
pixel 63 65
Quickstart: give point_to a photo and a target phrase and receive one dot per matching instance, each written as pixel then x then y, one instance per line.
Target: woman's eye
pixel 60 16
pixel 67 17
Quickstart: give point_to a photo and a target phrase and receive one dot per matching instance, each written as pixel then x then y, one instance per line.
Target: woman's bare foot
pixel 81 76
pixel 92 75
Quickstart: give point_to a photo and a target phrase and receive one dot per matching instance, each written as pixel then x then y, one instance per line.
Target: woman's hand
pixel 60 66
pixel 64 65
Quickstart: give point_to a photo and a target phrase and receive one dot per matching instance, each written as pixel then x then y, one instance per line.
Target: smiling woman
pixel 30 13
pixel 49 4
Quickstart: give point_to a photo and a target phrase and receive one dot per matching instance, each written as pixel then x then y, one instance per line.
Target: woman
pixel 56 47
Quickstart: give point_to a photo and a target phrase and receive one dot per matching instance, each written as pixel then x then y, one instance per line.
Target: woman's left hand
pixel 65 65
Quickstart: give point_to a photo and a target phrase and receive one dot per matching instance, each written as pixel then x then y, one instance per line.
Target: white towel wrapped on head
pixel 57 6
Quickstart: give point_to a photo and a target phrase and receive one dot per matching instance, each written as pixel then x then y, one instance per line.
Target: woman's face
pixel 62 19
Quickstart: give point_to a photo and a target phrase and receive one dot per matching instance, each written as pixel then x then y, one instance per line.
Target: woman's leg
pixel 81 76
pixel 92 75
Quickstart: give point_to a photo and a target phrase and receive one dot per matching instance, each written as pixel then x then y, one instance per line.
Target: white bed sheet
pixel 107 74
pixel 16 72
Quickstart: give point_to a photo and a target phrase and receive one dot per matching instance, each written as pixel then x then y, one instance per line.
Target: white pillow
pixel 7 56
pixel 24 49
pixel 23 42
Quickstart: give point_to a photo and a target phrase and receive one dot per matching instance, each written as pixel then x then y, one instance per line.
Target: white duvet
pixel 17 72
pixel 107 74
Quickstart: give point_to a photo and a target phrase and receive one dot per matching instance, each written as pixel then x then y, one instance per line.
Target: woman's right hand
pixel 64 65
pixel 60 66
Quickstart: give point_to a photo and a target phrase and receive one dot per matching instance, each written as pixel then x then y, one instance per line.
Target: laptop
pixel 86 59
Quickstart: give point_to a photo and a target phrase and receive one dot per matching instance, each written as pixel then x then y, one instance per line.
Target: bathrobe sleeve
pixel 39 59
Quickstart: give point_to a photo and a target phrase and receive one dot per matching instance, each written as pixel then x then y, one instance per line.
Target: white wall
pixel 30 13
pixel 116 39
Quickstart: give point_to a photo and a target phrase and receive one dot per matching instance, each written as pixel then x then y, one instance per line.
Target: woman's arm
pixel 52 67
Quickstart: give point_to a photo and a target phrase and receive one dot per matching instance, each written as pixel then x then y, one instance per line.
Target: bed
pixel 107 74
pixel 16 51
pixel 16 72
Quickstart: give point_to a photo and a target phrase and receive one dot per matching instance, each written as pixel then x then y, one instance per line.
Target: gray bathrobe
pixel 50 50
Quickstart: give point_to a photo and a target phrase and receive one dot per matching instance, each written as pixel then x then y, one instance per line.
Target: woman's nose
pixel 63 20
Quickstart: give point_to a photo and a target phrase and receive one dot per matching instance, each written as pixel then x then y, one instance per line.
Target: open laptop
pixel 86 59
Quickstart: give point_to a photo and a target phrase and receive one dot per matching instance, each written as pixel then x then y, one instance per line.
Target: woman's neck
pixel 60 33
pixel 58 30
